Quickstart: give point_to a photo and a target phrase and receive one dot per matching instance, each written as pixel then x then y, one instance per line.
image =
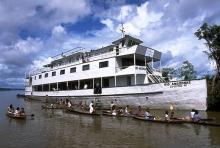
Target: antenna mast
pixel 122 28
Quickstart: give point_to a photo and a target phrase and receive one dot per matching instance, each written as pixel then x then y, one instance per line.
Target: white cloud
pixel 30 45
pixel 38 63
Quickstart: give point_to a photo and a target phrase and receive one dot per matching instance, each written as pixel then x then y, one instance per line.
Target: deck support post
pixel 135 76
pixel 115 81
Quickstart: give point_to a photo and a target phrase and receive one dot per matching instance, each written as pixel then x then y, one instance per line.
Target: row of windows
pixel 73 69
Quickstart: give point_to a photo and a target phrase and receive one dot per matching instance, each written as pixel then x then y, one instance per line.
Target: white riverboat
pixel 122 72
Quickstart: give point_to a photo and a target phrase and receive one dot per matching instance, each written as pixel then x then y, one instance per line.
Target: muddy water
pixel 57 129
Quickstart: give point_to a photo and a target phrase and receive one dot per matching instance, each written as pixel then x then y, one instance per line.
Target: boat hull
pixel 180 94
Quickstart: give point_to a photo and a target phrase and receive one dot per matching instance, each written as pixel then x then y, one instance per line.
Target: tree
pixel 168 73
pixel 187 71
pixel 211 34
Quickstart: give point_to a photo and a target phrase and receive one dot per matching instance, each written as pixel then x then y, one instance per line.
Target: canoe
pixel 70 109
pixel 159 121
pixel 205 123
pixel 53 107
pixel 11 115
pixel 106 113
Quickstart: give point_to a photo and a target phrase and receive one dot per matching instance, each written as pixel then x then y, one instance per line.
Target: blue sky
pixel 32 31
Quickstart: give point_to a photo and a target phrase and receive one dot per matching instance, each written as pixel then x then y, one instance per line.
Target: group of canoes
pixel 118 111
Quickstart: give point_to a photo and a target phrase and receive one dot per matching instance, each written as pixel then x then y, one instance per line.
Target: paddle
pixel 32 115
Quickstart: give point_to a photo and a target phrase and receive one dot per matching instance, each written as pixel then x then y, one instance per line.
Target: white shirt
pixel 114 112
pixel 16 112
pixel 91 109
pixel 192 114
pixel 90 105
pixel 69 104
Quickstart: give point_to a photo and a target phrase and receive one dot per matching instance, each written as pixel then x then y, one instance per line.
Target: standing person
pixel 91 109
pixel 91 104
pixel 69 104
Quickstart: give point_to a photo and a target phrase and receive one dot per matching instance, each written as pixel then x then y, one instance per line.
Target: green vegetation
pixel 7 89
pixel 211 35
pixel 185 72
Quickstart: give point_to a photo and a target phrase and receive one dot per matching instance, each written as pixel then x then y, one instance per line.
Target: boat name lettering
pixel 177 84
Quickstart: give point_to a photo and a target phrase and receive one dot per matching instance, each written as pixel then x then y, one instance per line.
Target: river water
pixel 57 129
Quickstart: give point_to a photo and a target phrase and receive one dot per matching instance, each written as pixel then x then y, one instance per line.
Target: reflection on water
pixel 55 128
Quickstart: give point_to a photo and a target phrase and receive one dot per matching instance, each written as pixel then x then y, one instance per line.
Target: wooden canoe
pixel 159 121
pixel 11 115
pixel 118 115
pixel 70 109
pixel 53 107
pixel 205 123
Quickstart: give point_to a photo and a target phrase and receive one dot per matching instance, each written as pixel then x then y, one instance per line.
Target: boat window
pixel 85 67
pixel 34 77
pixel 62 86
pixel 53 86
pixel 45 87
pixel 46 75
pixel 40 76
pixel 103 64
pixel 54 73
pixel 73 69
pixel 62 71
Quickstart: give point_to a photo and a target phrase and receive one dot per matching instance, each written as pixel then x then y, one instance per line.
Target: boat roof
pixel 126 37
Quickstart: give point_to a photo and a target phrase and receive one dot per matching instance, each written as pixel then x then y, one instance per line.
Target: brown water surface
pixel 57 129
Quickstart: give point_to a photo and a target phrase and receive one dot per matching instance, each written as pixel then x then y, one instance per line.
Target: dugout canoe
pixel 159 121
pixel 53 107
pixel 11 115
pixel 76 111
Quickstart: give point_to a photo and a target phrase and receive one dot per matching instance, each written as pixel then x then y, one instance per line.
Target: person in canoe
pixel 166 117
pixel 91 104
pixel 147 115
pixel 17 111
pixel 111 105
pixel 138 111
pixel 22 112
pixel 192 113
pixel 91 109
pixel 197 116
pixel 69 104
pixel 10 109
pixel 127 111
pixel 120 111
pixel 114 111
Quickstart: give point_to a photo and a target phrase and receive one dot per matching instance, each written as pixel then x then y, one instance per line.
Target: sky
pixel 31 32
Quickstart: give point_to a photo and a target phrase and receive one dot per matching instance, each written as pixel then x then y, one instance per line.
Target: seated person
pixel 17 111
pixel 127 112
pixel 192 113
pixel 197 116
pixel 120 111
pixel 22 112
pixel 138 111
pixel 147 115
pixel 166 115
pixel 114 111
pixel 10 109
